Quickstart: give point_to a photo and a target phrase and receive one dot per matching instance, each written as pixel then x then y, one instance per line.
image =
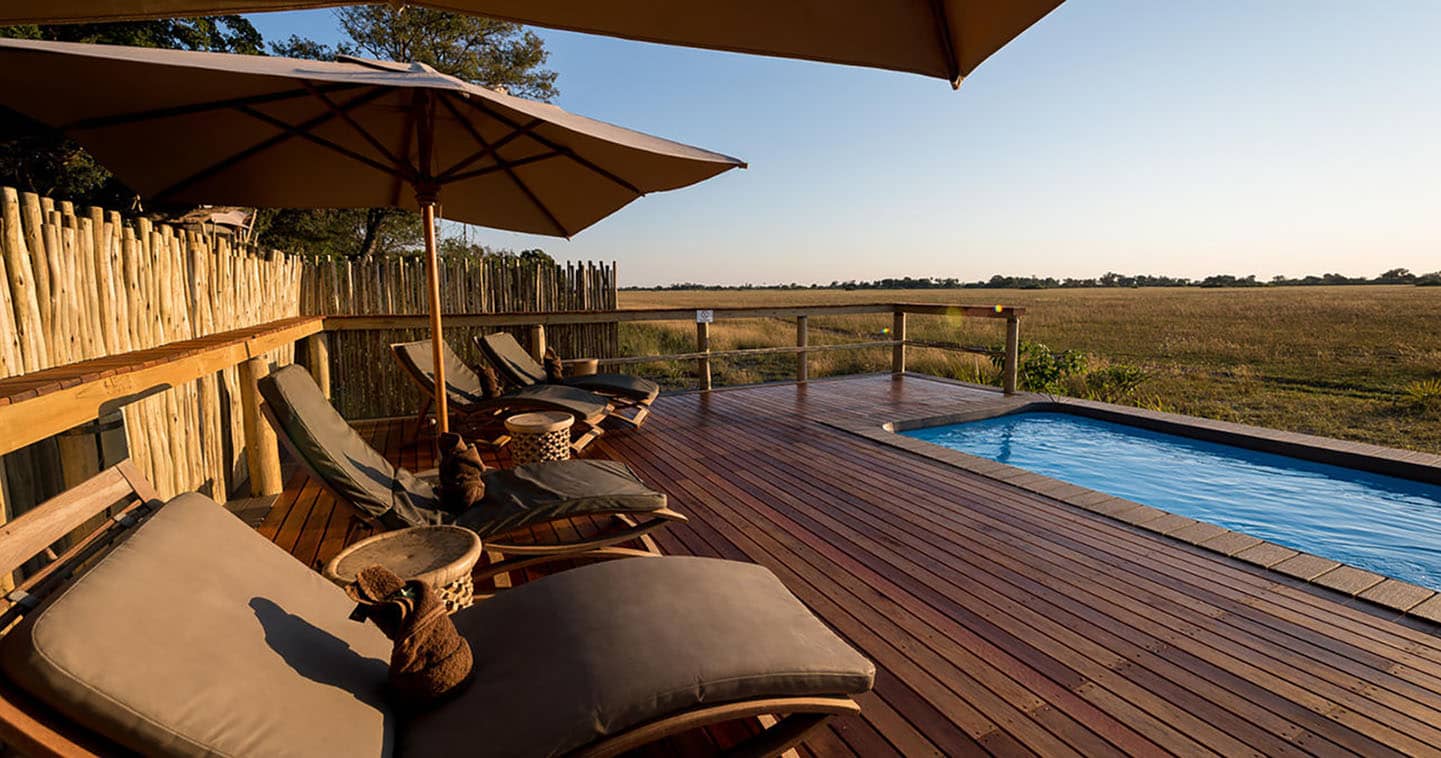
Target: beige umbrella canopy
pixel 941 38
pixel 182 127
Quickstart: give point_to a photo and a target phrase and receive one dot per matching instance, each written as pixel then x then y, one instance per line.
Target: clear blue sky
pixel 1180 137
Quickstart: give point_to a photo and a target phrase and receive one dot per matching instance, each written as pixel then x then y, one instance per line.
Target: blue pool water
pixel 1388 525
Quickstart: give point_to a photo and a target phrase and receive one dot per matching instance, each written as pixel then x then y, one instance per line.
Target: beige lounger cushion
pixel 593 651
pixel 197 636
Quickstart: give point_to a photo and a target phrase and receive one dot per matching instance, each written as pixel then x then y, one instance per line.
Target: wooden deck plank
pixel 1165 637
pixel 1001 621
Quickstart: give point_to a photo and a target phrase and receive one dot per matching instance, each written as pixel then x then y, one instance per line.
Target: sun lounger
pixel 518 367
pixel 483 419
pixel 195 635
pixel 515 499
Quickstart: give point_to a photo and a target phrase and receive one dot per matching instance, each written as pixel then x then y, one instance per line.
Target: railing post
pixel 803 364
pixel 898 353
pixel 702 345
pixel 1013 353
pixel 262 451
pixel 317 354
pixel 537 342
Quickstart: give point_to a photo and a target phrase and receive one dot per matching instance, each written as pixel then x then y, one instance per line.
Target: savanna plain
pixel 1352 362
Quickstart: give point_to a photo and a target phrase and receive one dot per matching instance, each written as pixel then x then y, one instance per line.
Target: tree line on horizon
pixel 1109 279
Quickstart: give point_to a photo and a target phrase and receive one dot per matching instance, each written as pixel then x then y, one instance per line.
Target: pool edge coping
pixel 1410 600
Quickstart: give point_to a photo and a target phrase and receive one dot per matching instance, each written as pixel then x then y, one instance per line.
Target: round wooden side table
pixel 441 556
pixel 541 436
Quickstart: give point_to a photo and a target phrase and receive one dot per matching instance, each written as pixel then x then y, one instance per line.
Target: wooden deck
pixel 1000 621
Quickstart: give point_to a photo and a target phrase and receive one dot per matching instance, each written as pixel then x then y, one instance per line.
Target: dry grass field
pixel 1361 363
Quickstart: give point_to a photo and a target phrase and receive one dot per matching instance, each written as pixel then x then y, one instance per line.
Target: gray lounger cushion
pixel 198 636
pixel 595 650
pixel 542 492
pixel 397 498
pixel 515 363
pixel 510 359
pixel 578 402
pixel 465 391
pixel 384 491
pixel 624 385
pixel 463 387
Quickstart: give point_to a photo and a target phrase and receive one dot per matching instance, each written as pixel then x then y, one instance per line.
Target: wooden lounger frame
pixel 124 495
pixel 485 422
pixel 618 401
pixel 520 555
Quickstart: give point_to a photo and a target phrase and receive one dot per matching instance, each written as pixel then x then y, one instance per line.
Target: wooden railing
pixel 703 319
pixel 41 404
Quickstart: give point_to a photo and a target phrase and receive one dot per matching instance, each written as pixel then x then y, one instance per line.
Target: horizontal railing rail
pixel 41 404
pixel 703 318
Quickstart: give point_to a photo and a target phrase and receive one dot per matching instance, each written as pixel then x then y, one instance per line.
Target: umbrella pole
pixel 432 277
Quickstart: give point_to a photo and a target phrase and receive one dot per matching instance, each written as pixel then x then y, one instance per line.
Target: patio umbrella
pixel 942 38
pixel 182 127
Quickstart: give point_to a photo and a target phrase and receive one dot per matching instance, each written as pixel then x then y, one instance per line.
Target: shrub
pixel 1424 395
pixel 1042 370
pixel 1113 383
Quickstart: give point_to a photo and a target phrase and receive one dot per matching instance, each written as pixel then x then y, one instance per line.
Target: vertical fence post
pixel 1013 350
pixel 317 354
pixel 262 451
pixel 898 353
pixel 803 365
pixel 537 342
pixel 702 345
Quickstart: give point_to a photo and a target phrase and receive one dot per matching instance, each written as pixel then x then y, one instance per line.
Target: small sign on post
pixel 704 317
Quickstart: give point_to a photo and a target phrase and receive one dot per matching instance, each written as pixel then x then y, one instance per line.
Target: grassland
pixel 1347 362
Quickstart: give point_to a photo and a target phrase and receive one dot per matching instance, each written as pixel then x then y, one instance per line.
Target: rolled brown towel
pixel 430 659
pixel 489 382
pixel 554 369
pixel 462 474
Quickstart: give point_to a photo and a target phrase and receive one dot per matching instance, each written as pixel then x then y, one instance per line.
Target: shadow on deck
pixel 999 620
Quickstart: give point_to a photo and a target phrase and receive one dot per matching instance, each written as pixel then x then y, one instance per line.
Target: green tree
pixel 34 157
pixel 479 50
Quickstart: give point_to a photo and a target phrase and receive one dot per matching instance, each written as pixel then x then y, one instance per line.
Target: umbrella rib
pixel 562 149
pixel 407 130
pixel 501 166
pixel 186 110
pixel 477 155
pixel 399 164
pixel 948 47
pixel 303 133
pixel 510 172
pixel 227 162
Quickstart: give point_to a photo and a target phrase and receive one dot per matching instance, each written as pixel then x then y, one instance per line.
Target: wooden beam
pixel 537 342
pixel 317 354
pixel 702 347
pixel 340 323
pixel 969 311
pixel 44 403
pixel 262 450
pixel 552 318
pixel 803 366
pixel 898 352
pixel 1013 354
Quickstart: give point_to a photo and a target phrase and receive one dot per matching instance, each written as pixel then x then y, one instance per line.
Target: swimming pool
pixel 1385 524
